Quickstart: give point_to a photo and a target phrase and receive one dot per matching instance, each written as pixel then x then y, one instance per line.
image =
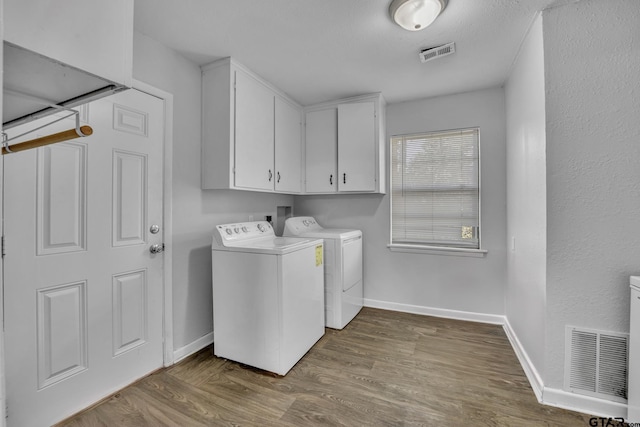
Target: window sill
pixel 438 250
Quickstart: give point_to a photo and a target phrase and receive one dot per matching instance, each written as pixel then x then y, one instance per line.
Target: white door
pixel 83 294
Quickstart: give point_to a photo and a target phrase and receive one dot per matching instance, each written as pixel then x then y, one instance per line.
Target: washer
pixel 268 299
pixel 342 269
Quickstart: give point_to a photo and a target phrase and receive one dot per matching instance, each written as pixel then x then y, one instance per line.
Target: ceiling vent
pixel 437 52
pixel 596 363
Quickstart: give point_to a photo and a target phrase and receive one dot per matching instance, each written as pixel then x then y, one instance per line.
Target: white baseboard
pixel 495 319
pixel 586 404
pixel 192 347
pixel 560 398
pixel 529 369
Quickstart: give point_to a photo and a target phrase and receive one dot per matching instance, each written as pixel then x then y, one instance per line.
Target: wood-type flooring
pixel 384 369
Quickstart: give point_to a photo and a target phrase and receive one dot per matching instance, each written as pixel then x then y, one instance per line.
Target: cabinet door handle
pixel 270 175
pixel 278 176
pixel 331 179
pixel 344 178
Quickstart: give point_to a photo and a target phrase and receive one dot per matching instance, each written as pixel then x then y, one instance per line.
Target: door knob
pixel 157 248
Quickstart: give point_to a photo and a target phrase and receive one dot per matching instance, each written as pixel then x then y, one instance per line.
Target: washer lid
pixel 307 226
pixel 332 233
pixel 273 245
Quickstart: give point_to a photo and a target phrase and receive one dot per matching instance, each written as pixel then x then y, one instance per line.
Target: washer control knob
pixel 244 229
pixel 305 222
pixel 228 230
pixel 261 227
pixel 237 230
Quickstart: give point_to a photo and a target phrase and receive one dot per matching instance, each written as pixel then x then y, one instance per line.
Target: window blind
pixel 435 189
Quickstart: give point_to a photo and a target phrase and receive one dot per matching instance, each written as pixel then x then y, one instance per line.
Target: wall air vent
pixel 437 52
pixel 596 363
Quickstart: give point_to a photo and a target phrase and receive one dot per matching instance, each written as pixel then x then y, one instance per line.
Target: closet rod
pixel 49 139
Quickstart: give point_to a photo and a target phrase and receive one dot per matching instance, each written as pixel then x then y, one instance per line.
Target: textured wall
pixel 438 281
pixel 526 197
pixel 592 58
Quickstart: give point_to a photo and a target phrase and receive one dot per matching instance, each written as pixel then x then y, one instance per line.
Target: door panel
pixel 129 311
pixel 129 198
pixel 83 294
pixel 62 332
pixel 62 225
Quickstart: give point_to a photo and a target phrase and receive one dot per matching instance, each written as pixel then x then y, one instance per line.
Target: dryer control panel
pixel 297 225
pixel 228 234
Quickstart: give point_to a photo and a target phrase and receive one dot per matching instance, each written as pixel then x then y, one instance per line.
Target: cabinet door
pixel 287 146
pixel 321 151
pixel 356 147
pixel 254 134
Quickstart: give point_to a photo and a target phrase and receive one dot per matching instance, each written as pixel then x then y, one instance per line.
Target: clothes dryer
pixel 342 267
pixel 268 299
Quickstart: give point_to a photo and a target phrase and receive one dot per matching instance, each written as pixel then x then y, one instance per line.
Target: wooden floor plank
pixel 384 369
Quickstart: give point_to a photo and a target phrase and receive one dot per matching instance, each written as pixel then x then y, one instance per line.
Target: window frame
pixel 436 249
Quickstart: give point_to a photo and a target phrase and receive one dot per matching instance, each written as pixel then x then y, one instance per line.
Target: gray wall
pixel 467 284
pixel 195 212
pixel 592 58
pixel 527 198
pixel 449 282
pixel 572 263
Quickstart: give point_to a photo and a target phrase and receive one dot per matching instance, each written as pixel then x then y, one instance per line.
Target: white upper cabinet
pixel 95 36
pixel 254 134
pixel 251 132
pixel 344 146
pixel 357 147
pixel 288 147
pixel 252 138
pixel 321 153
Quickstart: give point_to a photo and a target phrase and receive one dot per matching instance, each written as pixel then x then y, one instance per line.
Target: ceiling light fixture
pixel 414 15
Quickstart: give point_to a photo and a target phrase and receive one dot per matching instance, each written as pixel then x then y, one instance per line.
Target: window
pixel 435 196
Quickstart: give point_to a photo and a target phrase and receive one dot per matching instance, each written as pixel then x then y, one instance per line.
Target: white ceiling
pixel 318 50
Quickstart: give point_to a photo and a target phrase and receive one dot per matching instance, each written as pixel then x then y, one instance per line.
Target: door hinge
pixel 2 252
